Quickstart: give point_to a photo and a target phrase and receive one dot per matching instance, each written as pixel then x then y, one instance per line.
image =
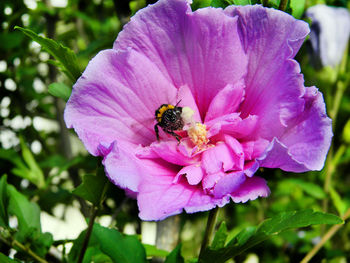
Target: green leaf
pixel 65 56
pixel 60 90
pixel 220 237
pixel 175 256
pixel 34 174
pixel 4 218
pixel 153 251
pixel 27 213
pixel 242 2
pixel 338 203
pixel 120 248
pixel 273 226
pixel 310 188
pixel 6 259
pixel 92 187
pixel 297 7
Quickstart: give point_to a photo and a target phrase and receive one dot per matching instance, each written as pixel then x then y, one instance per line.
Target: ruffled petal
pixel 116 98
pixel 226 101
pixel 124 169
pixel 305 143
pixel 274 86
pixel 251 189
pixel 188 46
pixel 228 184
pixel 194 174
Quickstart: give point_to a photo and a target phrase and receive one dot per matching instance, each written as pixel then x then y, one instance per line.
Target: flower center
pixel 196 131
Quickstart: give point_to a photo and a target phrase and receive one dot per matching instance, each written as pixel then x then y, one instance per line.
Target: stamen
pixel 196 131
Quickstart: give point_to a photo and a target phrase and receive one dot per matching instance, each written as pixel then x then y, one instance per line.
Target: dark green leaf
pixel 297 7
pixel 175 256
pixel 220 237
pixel 273 226
pixel 4 218
pixel 60 90
pixel 91 188
pixel 153 251
pixel 65 56
pixel 120 248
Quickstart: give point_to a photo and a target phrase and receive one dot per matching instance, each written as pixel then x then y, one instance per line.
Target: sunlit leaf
pixel 65 56
pixel 60 90
pixel 273 226
pixel 153 251
pixel 220 237
pixel 120 248
pixel 297 7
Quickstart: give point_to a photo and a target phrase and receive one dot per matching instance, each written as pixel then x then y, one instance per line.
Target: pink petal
pixel 116 98
pixel 226 101
pixel 306 142
pixel 252 188
pixel 124 169
pixel 228 184
pixel 273 83
pixel 187 46
pixel 193 173
pixel 169 151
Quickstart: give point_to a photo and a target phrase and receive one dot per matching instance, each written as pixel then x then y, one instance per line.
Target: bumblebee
pixel 169 118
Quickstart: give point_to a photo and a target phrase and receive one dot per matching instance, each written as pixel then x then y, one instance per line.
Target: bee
pixel 169 118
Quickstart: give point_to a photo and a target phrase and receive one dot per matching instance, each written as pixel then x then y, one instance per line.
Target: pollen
pixel 198 135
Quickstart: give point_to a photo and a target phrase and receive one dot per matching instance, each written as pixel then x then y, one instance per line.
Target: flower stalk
pixel 212 217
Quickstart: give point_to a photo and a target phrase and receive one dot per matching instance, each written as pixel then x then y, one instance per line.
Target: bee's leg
pixel 177 137
pixel 157 131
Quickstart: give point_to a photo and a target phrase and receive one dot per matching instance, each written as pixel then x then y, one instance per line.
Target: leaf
pixel 60 90
pixel 153 251
pixel 175 256
pixel 120 248
pixel 27 213
pixel 220 237
pixel 4 218
pixel 297 7
pixel 242 2
pixel 310 188
pixel 65 56
pixel 338 203
pixel 92 187
pixel 35 174
pixel 6 259
pixel 273 226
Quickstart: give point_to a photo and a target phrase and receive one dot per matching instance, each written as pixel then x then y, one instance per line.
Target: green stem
pixel 213 215
pixel 15 243
pixel 88 234
pixel 283 5
pixel 95 210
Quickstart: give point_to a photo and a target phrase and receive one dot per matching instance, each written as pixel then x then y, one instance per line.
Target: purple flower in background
pixel 233 96
pixel 330 31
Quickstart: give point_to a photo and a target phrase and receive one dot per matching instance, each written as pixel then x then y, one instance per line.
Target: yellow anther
pixel 198 135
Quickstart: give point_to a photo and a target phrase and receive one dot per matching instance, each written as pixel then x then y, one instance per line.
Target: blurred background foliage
pixel 42 162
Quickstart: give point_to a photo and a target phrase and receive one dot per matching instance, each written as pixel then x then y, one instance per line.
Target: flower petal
pixel 228 184
pixel 193 173
pixel 274 86
pixel 124 169
pixel 116 98
pixel 187 46
pixel 226 101
pixel 252 188
pixel 305 143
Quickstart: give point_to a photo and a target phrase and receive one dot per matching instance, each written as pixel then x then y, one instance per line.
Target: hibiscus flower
pixel 237 92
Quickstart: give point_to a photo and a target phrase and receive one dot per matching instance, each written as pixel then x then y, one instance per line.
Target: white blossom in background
pixel 330 31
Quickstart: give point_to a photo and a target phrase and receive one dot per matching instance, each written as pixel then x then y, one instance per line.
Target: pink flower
pixel 243 102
